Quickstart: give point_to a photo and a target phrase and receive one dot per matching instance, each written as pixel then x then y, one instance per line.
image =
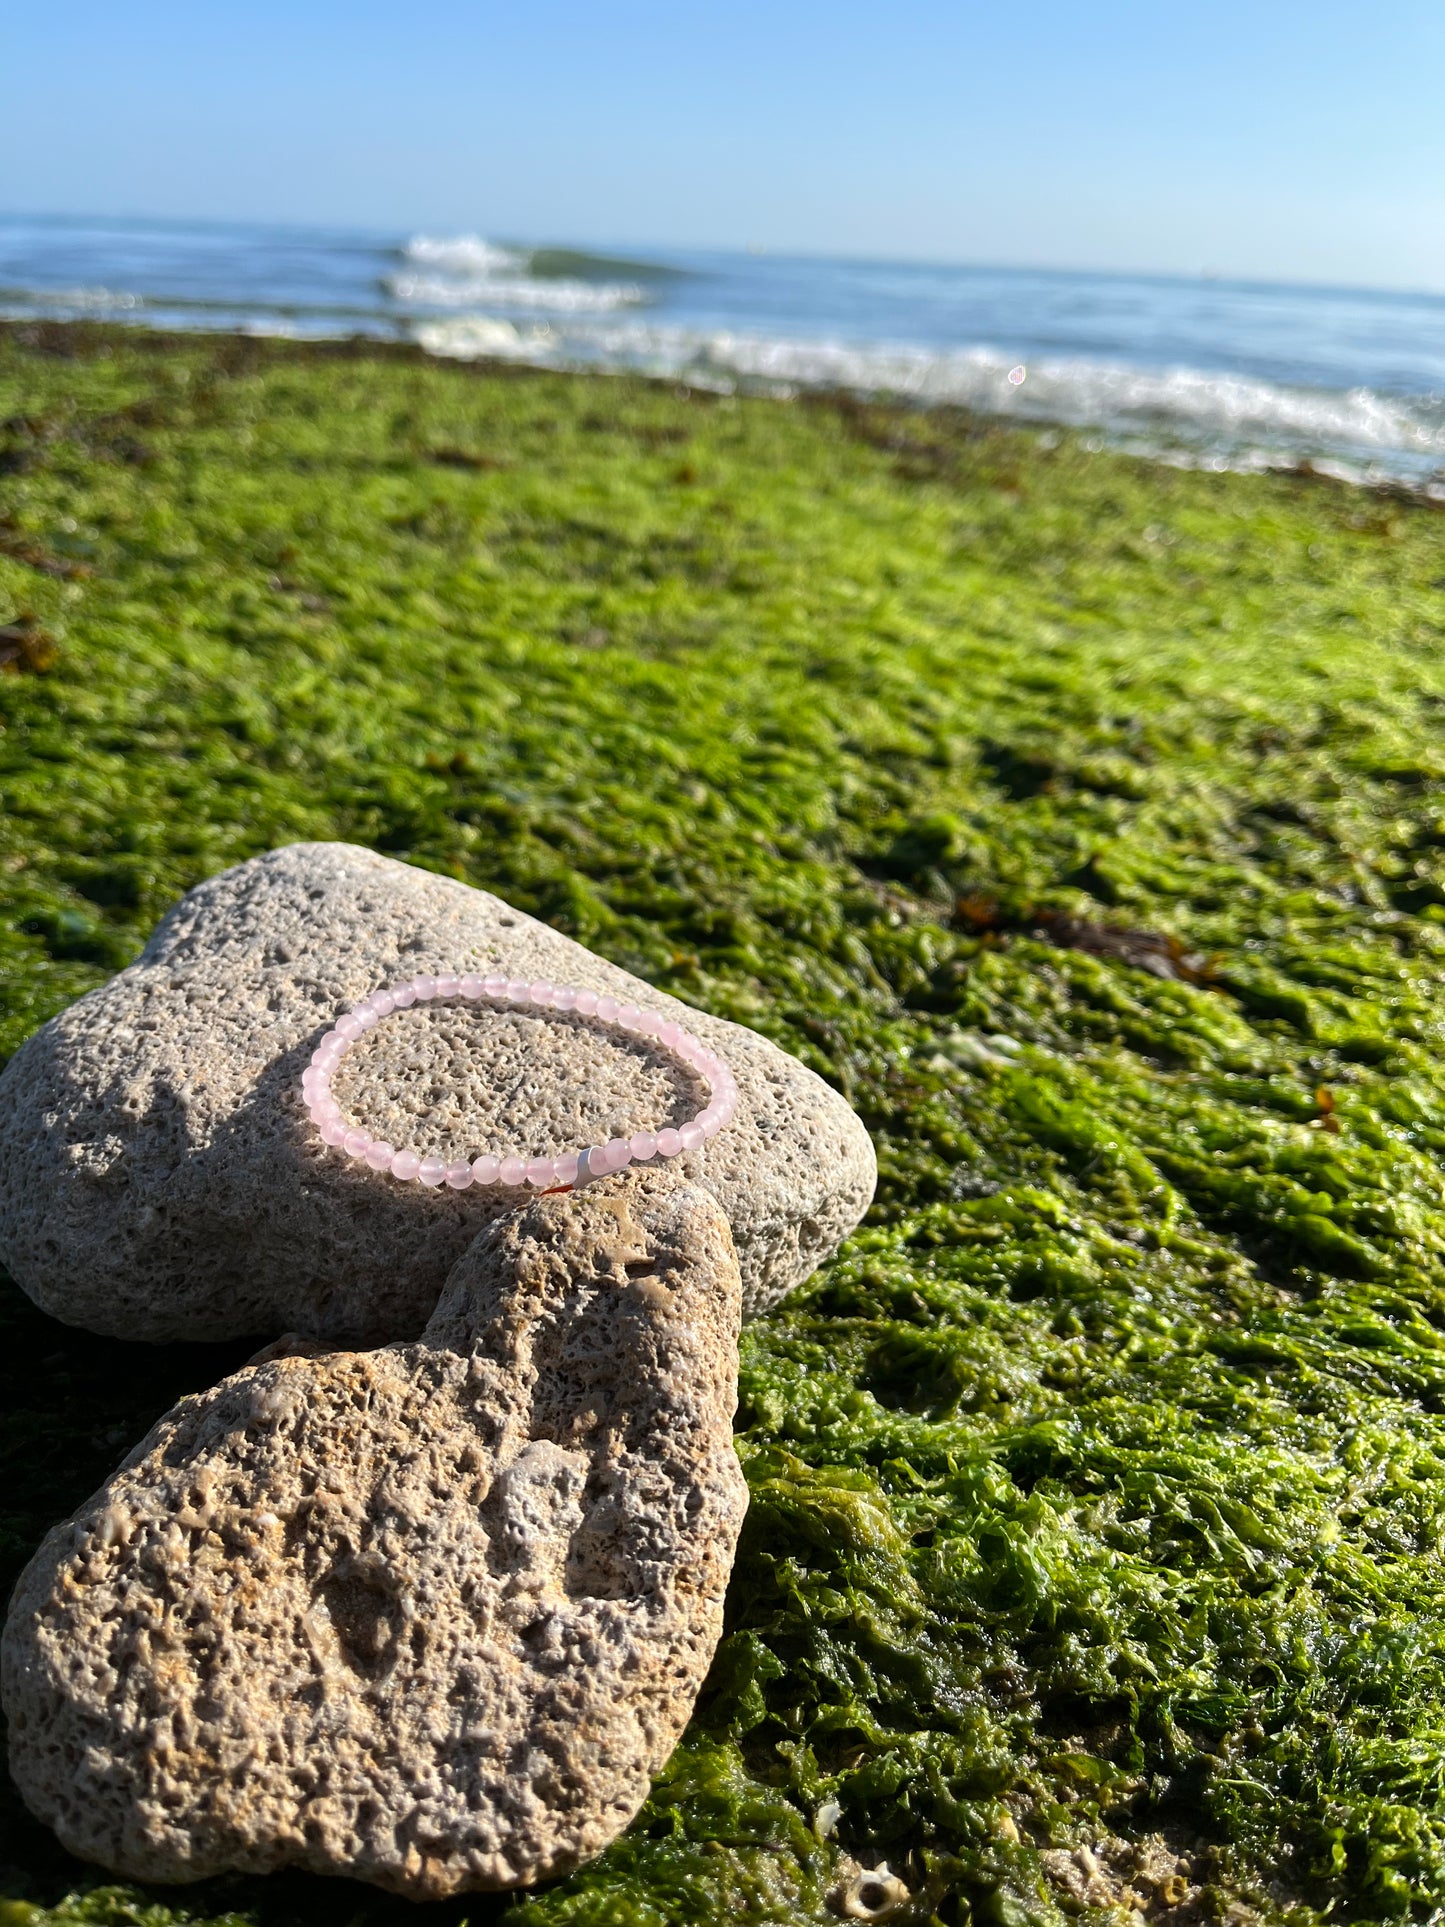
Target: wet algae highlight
pixel 1082 820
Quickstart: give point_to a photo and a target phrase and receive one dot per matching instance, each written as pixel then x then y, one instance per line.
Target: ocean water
pixel 1209 372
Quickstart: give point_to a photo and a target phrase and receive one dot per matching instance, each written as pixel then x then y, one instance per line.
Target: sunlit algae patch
pixel 1082 820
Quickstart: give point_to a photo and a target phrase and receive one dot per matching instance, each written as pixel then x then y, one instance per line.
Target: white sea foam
pixel 559 295
pixel 465 254
pixel 1186 414
pixel 481 336
pixel 72 300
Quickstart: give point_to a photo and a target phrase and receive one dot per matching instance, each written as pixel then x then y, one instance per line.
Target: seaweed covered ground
pixel 1084 821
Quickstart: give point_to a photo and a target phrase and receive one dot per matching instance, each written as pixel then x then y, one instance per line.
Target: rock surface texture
pixel 159 1178
pixel 428 1616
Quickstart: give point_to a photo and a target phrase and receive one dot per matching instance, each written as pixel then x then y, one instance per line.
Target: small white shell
pixel 873 1893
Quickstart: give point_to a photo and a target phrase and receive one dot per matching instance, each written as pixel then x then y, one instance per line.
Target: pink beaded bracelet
pixel 545 1174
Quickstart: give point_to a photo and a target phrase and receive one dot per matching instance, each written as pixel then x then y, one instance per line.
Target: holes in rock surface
pixel 364 1615
pixel 601 1559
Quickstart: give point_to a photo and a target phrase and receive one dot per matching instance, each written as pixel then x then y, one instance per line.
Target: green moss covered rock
pixel 1083 822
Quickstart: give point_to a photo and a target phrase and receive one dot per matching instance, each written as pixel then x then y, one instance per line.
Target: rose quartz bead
pixel 587 1002
pixel 325 1053
pixel 669 1036
pixel 567 1168
pixel 325 1110
pixel 643 1145
pixel 485 1170
pixel 541 1173
pixel 348 1026
pixel 565 997
pixel 494 986
pixel 405 1164
pixel 424 986
pixel 619 1153
pixel 332 1130
pixel 403 995
pixel 355 1142
pixel 470 985
pixel 668 1143
pixel 540 992
pixel 512 1170
pixel 709 1122
pixel 382 1002
pixel 518 992
pixel 691 1135
pixel 627 1016
pixel 447 984
pixel 379 1154
pixel 459 1175
pixel 432 1170
pixel 607 1009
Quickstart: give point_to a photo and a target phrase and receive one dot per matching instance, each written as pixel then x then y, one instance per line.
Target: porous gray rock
pixel 428 1616
pixel 159 1178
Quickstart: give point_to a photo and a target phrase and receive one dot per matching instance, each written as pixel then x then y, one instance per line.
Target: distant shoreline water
pixel 1210 373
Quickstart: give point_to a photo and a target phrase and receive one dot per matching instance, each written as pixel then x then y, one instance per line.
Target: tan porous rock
pixel 428 1616
pixel 159 1178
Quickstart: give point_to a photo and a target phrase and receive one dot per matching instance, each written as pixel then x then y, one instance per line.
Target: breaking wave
pixel 464 271
pixel 464 254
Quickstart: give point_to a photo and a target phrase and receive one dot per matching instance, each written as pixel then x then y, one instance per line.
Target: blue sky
pixel 1294 139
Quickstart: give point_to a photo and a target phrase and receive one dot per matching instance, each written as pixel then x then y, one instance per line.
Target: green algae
pixel 1098 1484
